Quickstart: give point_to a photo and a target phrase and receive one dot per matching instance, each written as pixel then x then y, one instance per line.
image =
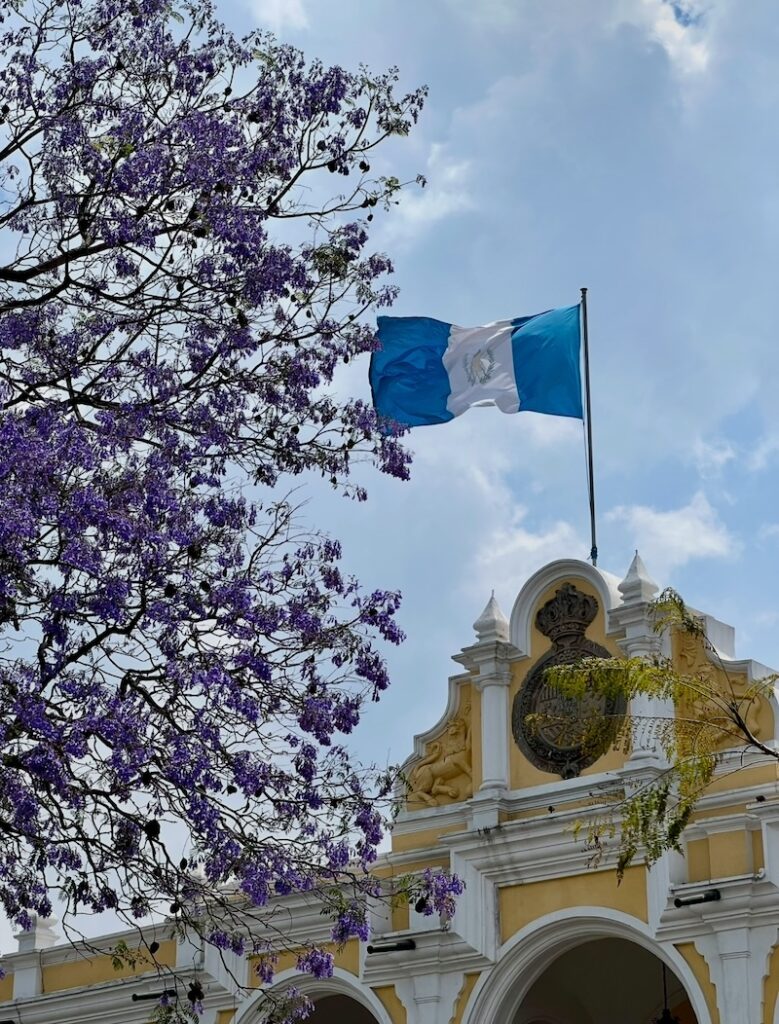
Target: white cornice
pixel 408 822
pixel 530 850
pixel 435 951
pixel 75 951
pixel 560 791
pixel 107 1003
pixel 745 902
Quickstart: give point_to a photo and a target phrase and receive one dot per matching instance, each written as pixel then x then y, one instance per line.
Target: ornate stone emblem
pixel 479 366
pixel 554 741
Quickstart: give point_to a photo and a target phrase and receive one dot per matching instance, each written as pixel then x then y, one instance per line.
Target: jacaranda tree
pixel 183 266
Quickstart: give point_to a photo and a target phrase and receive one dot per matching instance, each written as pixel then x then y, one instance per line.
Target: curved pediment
pixel 522 622
pixel 441 771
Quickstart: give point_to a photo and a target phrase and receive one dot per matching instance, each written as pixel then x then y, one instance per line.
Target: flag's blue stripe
pixel 408 378
pixel 546 362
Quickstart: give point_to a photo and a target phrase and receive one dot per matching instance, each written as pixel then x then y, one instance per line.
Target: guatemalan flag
pixel 427 371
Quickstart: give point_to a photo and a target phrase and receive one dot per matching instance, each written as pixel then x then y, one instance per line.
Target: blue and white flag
pixel 427 371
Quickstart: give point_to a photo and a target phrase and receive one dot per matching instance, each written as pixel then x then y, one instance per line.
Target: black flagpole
pixel 590 476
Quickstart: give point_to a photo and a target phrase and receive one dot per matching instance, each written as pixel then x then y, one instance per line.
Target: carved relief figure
pixel 445 771
pixel 693 660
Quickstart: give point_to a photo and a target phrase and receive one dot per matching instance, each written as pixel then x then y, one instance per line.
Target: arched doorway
pixel 337 1000
pixel 501 995
pixel 339 1009
pixel 604 979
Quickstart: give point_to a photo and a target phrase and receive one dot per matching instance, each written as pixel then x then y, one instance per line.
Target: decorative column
pixel 429 998
pixel 738 959
pixel 491 657
pixel 27 962
pixel 640 641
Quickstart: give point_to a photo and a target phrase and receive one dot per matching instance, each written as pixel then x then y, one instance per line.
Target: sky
pixel 626 145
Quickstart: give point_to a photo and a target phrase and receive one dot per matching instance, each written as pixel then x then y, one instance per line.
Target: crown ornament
pixel 567 615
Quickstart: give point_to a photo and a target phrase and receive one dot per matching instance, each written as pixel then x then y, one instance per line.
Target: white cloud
pixel 711 456
pixel 487 13
pixel 767 618
pixel 448 191
pixel 502 549
pixel 670 539
pixel 768 530
pixel 550 431
pixel 509 553
pixel 279 15
pixel 683 43
pixel 763 452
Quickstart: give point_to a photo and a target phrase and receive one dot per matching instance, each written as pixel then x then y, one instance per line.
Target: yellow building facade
pixel 543 934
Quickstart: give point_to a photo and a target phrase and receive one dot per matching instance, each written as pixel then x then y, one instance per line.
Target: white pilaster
pixel 738 962
pixel 429 998
pixel 640 640
pixel 494 730
pixel 768 814
pixel 490 658
pixel 670 869
pixel 190 954
pixel 27 963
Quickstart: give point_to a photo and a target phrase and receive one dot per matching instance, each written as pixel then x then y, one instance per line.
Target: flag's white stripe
pixel 480 366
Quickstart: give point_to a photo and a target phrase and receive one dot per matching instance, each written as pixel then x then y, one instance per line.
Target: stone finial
pixel 40 936
pixel 638 585
pixel 492 624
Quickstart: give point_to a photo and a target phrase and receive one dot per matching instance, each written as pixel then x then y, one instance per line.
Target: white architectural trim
pixel 423 738
pixel 107 1002
pixel 521 623
pixel 342 983
pixel 498 994
pixel 430 998
pixel 424 818
pixel 436 952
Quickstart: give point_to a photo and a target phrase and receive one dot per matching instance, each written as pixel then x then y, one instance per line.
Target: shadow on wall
pixel 340 1010
pixel 604 980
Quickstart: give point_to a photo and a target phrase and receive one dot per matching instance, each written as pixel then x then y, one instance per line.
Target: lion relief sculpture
pixel 444 773
pixel 692 660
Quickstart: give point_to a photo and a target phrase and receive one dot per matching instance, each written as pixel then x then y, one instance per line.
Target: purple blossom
pixel 316 962
pixel 351 923
pixel 438 894
pixel 176 649
pixel 265 968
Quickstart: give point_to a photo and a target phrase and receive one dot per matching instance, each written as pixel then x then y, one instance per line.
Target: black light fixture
pixel 665 1017
pixel 391 947
pixel 168 993
pixel 708 896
